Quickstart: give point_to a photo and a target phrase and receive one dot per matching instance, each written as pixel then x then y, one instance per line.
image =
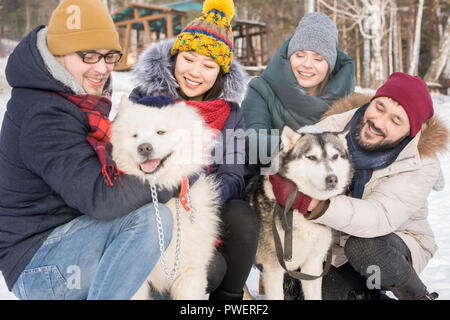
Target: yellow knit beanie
pixel 210 34
pixel 81 25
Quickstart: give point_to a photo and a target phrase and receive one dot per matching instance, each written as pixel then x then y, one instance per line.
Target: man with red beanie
pixel 382 239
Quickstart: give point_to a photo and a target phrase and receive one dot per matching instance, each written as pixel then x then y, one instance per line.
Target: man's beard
pixel 382 145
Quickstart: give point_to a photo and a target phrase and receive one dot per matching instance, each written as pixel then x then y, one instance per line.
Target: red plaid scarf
pixel 96 109
pixel 214 112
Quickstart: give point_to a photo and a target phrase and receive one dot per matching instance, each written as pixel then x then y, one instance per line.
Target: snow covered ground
pixel 436 275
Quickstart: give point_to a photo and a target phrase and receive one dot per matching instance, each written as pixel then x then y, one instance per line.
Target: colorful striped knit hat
pixel 210 34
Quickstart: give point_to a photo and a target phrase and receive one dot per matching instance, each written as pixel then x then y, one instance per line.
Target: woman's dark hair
pixel 216 89
pixel 323 84
pixel 210 95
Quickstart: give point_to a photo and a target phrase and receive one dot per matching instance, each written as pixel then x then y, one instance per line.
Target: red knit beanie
pixel 412 94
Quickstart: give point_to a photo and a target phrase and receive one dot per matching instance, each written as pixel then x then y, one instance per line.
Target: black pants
pixel 236 254
pixel 373 263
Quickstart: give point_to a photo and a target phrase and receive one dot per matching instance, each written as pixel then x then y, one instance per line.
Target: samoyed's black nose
pixel 331 181
pixel 145 149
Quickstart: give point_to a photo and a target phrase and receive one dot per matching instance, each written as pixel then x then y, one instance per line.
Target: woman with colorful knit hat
pixel 198 68
pixel 306 75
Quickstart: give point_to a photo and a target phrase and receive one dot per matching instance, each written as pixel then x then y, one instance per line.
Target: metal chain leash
pixel 173 273
pixel 189 203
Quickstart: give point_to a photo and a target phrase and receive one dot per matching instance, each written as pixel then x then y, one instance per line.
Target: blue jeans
pixel 92 259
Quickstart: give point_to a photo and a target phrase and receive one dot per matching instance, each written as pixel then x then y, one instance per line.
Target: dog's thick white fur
pixel 179 138
pixel 307 163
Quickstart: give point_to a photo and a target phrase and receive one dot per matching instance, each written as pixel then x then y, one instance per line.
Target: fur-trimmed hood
pixel 153 74
pixel 434 136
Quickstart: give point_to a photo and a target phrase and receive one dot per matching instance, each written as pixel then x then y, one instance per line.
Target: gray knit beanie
pixel 316 32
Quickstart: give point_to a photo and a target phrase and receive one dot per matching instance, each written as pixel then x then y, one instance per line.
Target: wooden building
pixel 146 23
pixel 249 45
pixel 139 25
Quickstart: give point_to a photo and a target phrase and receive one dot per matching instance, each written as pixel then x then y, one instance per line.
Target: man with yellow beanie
pixel 72 226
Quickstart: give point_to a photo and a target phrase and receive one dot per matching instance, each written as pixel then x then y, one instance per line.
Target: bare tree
pixel 311 6
pixel 370 16
pixel 395 38
pixel 27 16
pixel 366 63
pixel 280 16
pixel 438 16
pixel 416 48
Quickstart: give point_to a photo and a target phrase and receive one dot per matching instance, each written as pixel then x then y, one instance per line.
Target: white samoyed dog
pixel 162 146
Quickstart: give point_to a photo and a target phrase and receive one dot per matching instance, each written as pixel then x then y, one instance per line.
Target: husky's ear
pixel 342 135
pixel 310 129
pixel 289 137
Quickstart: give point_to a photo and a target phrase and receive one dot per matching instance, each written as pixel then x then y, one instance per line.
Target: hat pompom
pixel 224 6
pixel 211 34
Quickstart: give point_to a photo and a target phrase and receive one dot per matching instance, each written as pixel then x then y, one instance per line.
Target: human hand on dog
pixel 282 188
pixel 313 204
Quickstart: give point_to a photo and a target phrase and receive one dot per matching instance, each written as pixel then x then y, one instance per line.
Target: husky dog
pixel 161 146
pixel 319 165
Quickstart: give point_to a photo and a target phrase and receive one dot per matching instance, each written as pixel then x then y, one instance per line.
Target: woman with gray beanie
pixel 306 75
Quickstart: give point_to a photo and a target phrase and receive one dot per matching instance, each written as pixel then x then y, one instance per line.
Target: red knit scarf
pixel 96 109
pixel 215 113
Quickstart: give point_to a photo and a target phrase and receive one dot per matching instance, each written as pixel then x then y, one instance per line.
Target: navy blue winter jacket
pixel 49 174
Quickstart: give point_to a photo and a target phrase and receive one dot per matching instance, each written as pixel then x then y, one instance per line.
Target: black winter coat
pixel 49 174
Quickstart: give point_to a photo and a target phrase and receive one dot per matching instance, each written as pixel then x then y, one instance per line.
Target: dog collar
pixel 183 193
pixel 282 188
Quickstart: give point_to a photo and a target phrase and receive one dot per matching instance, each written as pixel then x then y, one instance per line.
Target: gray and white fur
pixel 319 164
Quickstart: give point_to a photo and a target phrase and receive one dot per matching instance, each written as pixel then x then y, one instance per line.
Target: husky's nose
pixel 144 149
pixel 331 181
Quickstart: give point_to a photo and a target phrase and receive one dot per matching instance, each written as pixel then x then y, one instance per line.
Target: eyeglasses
pixel 92 57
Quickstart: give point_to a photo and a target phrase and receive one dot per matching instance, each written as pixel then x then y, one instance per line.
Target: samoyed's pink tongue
pixel 150 165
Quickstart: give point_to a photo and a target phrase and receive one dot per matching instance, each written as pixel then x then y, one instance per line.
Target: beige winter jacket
pixel 395 198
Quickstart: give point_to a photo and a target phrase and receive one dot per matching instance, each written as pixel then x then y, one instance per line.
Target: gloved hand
pixel 282 188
